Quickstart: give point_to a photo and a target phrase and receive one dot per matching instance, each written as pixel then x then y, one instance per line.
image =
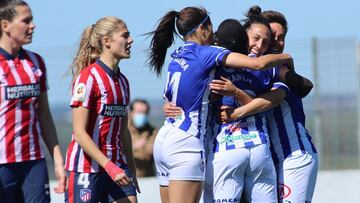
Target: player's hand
pixel 61 178
pixel 117 174
pixel 171 110
pixel 290 64
pixel 122 179
pixel 223 87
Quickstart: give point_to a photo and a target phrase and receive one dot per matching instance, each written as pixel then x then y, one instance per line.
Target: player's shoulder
pixel 87 72
pixel 218 47
pixel 90 69
pixel 206 51
pixel 211 48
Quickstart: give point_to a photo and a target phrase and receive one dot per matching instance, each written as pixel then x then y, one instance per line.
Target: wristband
pixel 112 169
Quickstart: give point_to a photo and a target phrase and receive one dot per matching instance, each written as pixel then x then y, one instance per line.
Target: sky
pixel 60 24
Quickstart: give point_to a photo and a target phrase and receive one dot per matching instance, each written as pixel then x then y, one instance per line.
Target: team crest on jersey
pixel 37 72
pixel 85 195
pixel 79 92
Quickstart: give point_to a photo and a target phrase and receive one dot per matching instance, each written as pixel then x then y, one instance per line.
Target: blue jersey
pixel 250 130
pixel 288 134
pixel 189 73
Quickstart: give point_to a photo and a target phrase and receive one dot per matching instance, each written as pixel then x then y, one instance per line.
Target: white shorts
pixel 178 156
pixel 297 178
pixel 229 173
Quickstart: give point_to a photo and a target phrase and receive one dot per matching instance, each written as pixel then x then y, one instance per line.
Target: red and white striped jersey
pixel 106 95
pixel 22 79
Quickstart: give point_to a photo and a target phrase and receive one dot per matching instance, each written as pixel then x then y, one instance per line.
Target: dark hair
pixel 8 11
pixel 163 37
pixel 254 16
pixel 140 101
pixel 232 35
pixel 276 17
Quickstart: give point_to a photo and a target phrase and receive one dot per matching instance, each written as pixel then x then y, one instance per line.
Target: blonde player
pixel 99 158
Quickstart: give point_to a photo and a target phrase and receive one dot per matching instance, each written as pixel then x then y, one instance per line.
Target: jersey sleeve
pixel 43 78
pixel 84 90
pixel 212 56
pixel 277 84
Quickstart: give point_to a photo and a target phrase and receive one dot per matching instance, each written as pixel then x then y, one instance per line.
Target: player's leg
pixel 297 178
pixel 11 177
pixel 162 170
pixel 36 183
pixel 184 156
pixel 184 191
pixel 164 194
pixel 260 177
pixel 225 175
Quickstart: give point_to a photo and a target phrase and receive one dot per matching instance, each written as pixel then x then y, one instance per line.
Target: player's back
pixel 189 73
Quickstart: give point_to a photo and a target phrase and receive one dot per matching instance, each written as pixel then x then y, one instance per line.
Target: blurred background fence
pixel 332 108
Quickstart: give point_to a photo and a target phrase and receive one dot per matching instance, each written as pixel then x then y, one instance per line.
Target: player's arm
pixel 127 149
pixel 50 138
pixel 237 60
pixel 259 104
pixel 225 87
pixel 297 83
pixel 80 122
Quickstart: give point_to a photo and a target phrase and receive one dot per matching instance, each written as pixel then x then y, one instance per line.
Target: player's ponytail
pixel 162 39
pixel 86 53
pixel 186 21
pixel 90 47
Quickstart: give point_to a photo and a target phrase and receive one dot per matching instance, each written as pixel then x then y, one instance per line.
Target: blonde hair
pixel 90 46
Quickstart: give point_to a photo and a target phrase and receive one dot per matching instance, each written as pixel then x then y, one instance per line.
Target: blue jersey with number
pixel 191 69
pixel 250 130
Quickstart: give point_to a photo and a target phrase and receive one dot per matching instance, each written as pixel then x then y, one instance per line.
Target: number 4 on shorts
pixel 83 180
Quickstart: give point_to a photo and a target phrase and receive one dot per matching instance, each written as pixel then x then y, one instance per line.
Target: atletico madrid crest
pixel 85 195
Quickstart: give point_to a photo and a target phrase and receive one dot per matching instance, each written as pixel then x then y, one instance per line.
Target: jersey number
pixel 84 180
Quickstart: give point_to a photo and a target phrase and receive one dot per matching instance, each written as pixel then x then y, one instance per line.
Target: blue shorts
pixel 24 182
pixel 95 187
